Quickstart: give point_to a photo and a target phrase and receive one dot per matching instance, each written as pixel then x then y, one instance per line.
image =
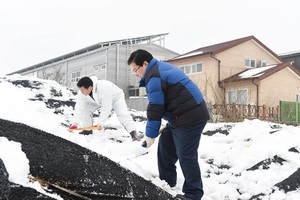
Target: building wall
pixel 84 63
pixel 232 62
pixel 293 58
pixel 207 79
pixel 281 86
pixel 233 59
pixel 109 63
pixel 244 85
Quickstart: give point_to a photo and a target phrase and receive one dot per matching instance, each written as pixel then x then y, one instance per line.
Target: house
pixel 293 58
pixel 264 85
pixel 242 71
pixel 106 60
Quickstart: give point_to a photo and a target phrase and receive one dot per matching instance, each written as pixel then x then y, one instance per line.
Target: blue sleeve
pixel 155 109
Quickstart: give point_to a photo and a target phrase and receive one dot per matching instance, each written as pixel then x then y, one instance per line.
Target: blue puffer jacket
pixel 172 96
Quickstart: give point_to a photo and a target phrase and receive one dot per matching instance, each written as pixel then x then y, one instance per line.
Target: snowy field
pixel 237 160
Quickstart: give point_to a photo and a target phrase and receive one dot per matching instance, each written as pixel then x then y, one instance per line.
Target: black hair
pixel 139 56
pixel 85 82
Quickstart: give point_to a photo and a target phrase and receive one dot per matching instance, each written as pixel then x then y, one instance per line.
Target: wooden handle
pixel 88 128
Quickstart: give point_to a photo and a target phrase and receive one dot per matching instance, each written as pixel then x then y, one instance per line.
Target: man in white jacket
pixel 94 94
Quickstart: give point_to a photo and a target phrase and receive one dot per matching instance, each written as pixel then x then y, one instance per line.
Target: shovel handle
pixel 88 128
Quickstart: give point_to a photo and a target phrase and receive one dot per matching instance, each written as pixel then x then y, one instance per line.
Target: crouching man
pixel 94 94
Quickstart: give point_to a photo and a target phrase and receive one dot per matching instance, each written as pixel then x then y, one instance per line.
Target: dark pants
pixel 181 144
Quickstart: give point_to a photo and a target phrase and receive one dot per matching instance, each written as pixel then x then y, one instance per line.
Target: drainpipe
pixel 117 64
pixel 257 99
pixel 219 73
pixel 106 64
pixel 219 67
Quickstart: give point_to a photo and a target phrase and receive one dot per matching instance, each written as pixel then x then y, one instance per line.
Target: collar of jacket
pixel 150 65
pixel 95 89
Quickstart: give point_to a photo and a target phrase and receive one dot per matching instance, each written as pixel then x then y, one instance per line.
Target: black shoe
pixel 182 197
pixel 85 132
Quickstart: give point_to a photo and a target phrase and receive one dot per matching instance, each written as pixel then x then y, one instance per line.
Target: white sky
pixel 33 31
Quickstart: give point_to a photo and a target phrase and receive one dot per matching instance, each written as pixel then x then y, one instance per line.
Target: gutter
pixel 257 99
pixel 219 73
pixel 219 67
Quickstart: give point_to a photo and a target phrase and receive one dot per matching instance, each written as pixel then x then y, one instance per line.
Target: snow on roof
pixel 190 54
pixel 255 72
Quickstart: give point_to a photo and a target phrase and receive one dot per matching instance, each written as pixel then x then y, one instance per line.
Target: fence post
pixel 278 114
pixel 297 113
pixel 249 110
pixel 264 112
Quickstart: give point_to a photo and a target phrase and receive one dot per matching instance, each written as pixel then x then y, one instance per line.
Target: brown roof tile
pixel 259 73
pixel 217 48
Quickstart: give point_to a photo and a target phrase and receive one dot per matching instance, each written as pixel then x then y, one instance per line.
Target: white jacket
pixel 105 93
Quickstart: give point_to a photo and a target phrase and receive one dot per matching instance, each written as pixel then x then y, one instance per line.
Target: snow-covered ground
pixel 230 154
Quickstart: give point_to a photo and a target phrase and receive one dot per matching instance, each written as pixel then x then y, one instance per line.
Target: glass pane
pixel 231 97
pixel 252 63
pixel 242 97
pixel 188 69
pixel 199 67
pixel 194 68
pixel 247 62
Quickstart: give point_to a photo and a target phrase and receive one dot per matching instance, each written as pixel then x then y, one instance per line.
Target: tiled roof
pixel 217 48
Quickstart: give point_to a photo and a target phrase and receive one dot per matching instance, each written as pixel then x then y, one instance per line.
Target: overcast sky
pixel 33 31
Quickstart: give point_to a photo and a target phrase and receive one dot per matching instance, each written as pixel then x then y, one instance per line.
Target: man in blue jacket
pixel 173 96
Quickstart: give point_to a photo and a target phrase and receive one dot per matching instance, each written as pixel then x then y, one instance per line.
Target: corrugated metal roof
pixel 135 40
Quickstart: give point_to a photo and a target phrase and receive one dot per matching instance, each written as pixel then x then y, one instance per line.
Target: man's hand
pixel 99 127
pixel 162 128
pixel 147 142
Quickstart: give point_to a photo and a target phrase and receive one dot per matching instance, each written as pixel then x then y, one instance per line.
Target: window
pixel 187 69
pixel 239 96
pixel 96 68
pixel 298 97
pixel 242 96
pixel 103 67
pixel 197 68
pixel 231 97
pixel 75 76
pixel 193 68
pixel 99 67
pixel 250 63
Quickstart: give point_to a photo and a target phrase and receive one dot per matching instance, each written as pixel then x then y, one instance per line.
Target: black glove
pixel 134 136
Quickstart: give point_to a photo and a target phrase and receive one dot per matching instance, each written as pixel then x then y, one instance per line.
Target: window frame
pixel 75 76
pixel 189 69
pixel 233 96
pixel 251 62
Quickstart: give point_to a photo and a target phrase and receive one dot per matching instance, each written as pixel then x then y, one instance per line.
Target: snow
pixel 257 72
pixel 189 55
pixel 224 159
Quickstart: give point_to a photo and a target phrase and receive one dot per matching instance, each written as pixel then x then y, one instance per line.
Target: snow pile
pixel 248 160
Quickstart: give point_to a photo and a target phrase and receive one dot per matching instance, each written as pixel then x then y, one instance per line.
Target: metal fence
pixel 289 112
pixel 137 103
pixel 237 112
